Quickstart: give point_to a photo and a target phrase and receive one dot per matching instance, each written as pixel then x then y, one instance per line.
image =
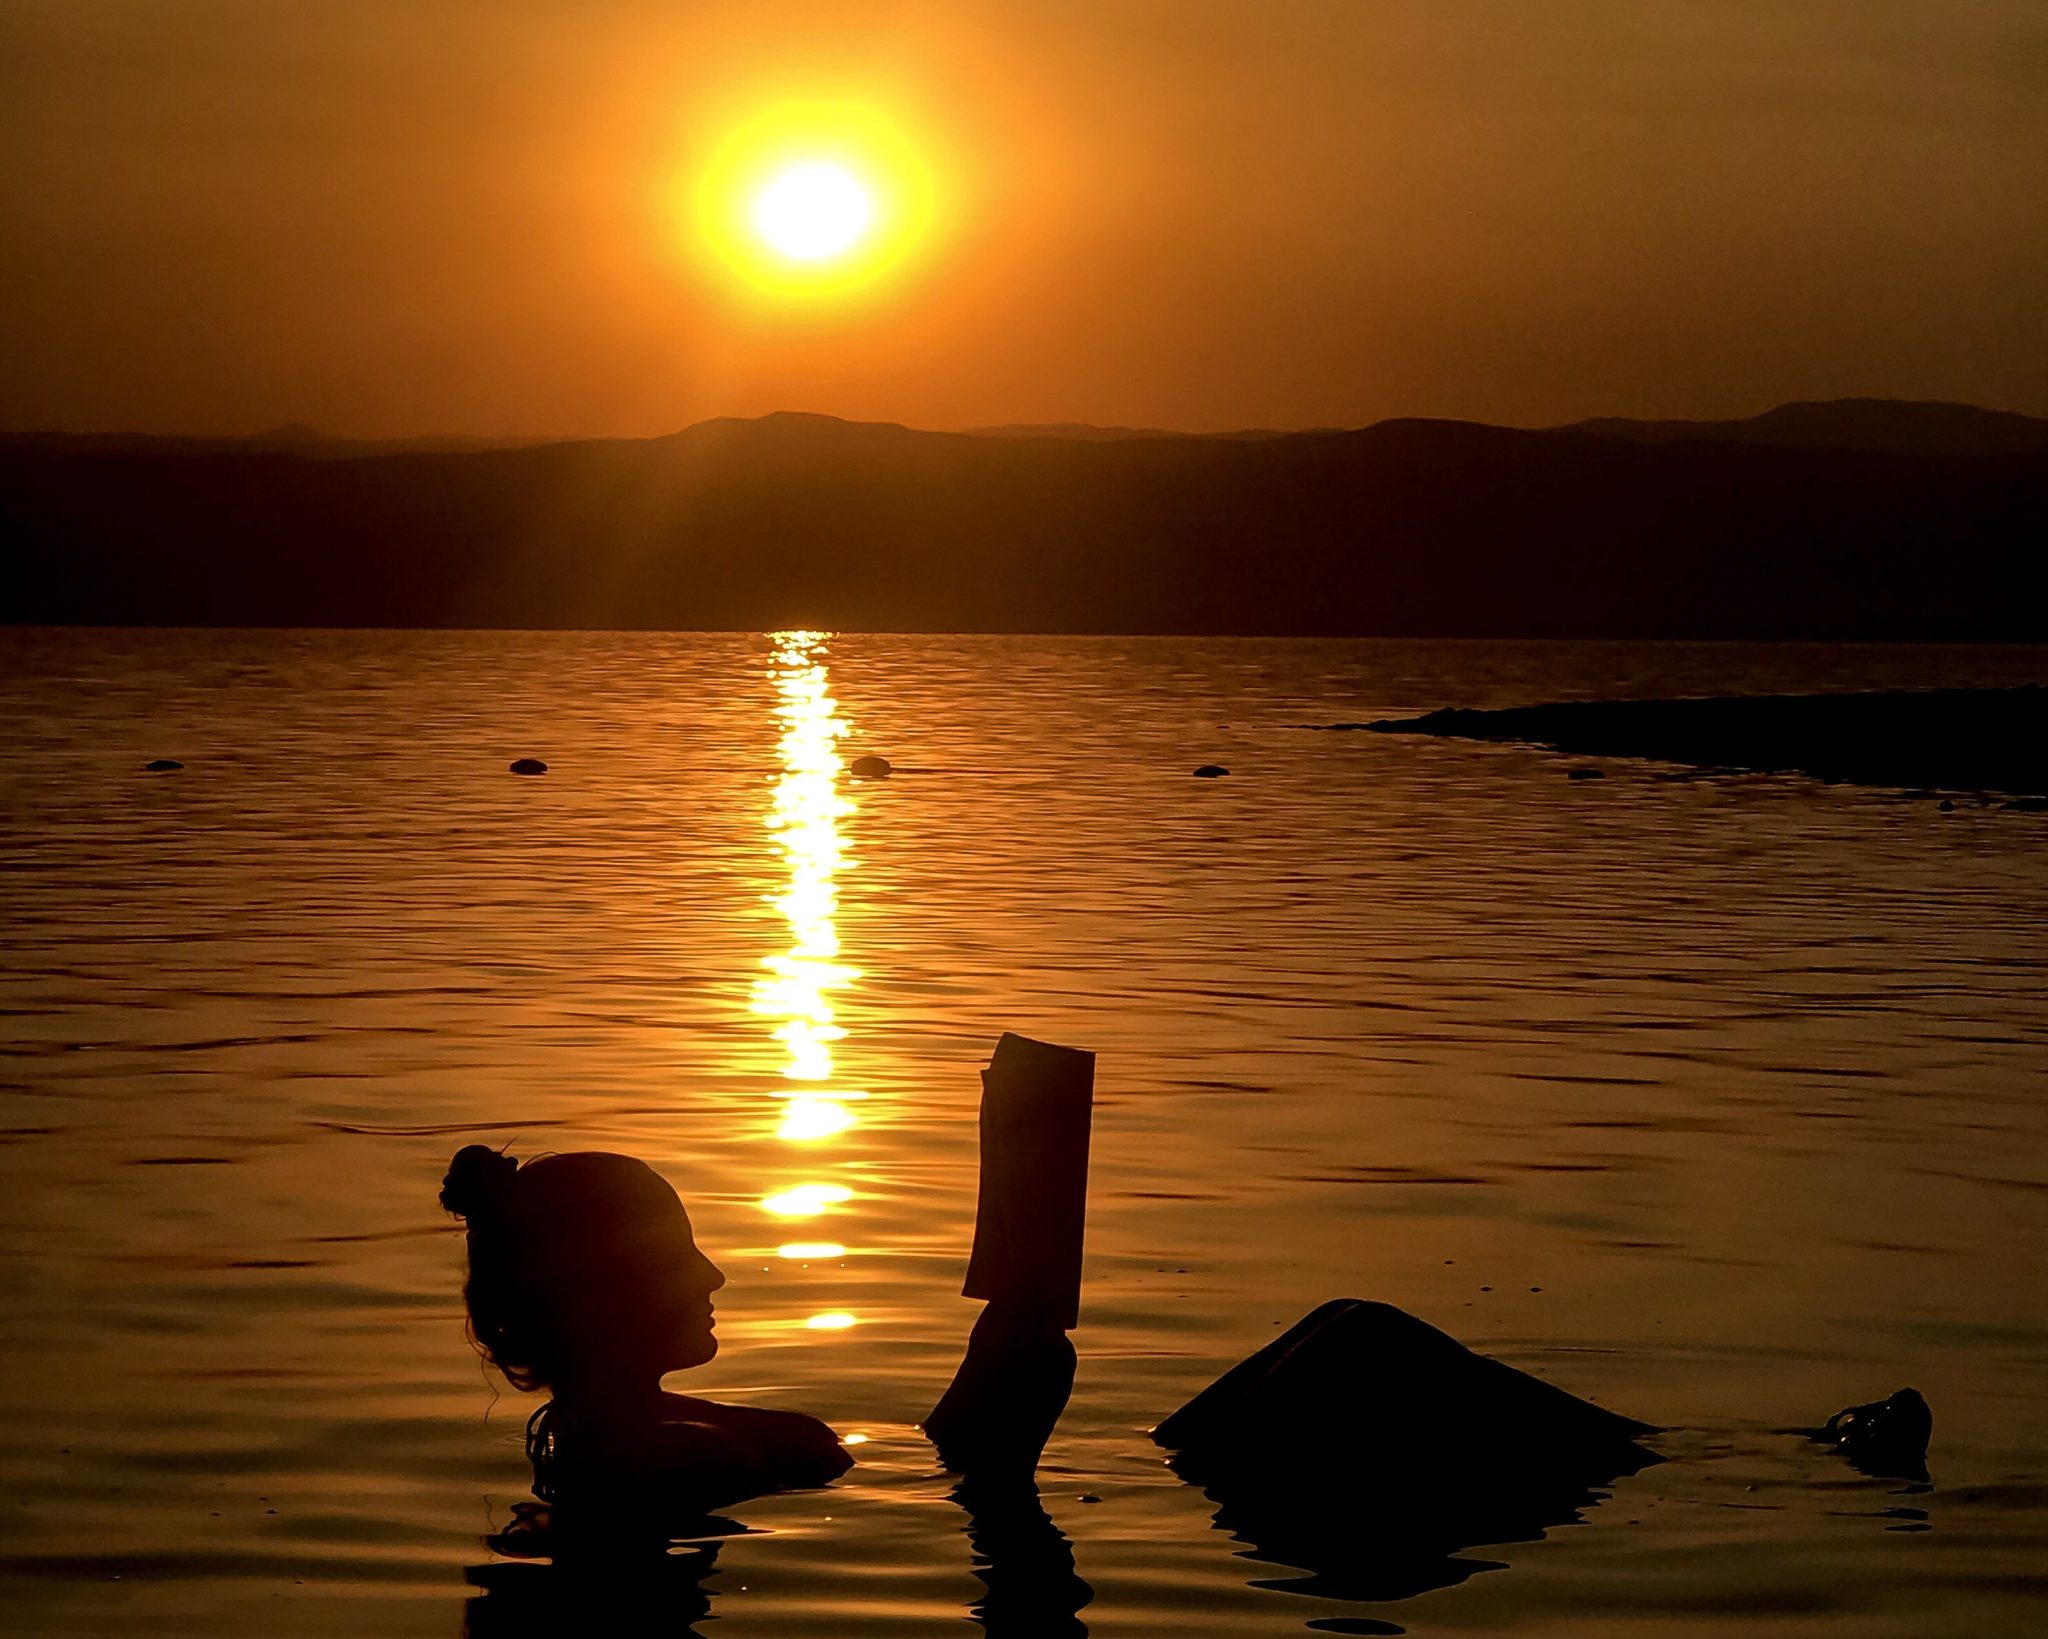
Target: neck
pixel 609 1388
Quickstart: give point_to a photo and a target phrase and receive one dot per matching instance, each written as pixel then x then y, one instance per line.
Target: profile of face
pixel 583 1268
pixel 643 1293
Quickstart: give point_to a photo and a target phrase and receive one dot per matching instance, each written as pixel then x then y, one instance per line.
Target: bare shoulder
pixel 798 1449
pixel 691 1454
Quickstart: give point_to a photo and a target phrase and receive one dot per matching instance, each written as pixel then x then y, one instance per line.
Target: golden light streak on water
pixel 797 991
pixel 804 824
pixel 807 1120
pixel 805 1200
pixel 810 1251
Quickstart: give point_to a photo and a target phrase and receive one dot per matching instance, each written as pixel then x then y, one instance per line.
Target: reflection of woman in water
pixel 584 1281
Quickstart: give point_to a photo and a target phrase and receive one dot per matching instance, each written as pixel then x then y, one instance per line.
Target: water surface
pixel 1718 1100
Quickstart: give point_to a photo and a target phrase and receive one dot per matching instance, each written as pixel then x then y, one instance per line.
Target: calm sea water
pixel 1719 1100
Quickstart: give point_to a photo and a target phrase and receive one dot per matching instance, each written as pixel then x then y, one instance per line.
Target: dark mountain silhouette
pixel 1078 431
pixel 1084 432
pixel 1893 425
pixel 291 435
pixel 1409 527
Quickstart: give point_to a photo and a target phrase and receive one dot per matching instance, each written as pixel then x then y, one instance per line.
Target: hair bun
pixel 477 1180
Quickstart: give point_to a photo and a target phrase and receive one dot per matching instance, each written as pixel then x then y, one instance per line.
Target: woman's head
pixel 580 1267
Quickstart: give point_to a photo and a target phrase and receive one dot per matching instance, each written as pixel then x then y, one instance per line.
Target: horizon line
pixel 295 431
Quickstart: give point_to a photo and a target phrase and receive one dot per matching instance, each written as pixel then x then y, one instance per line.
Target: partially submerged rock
pixel 870 768
pixel 1211 771
pixel 529 765
pixel 1934 739
pixel 1364 1383
pixel 163 765
pixel 1886 1437
pixel 1370 1450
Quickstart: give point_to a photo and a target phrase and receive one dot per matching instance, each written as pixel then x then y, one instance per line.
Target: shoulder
pixel 691 1454
pixel 798 1450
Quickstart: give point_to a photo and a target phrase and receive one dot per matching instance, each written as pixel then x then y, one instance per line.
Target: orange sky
pixel 423 216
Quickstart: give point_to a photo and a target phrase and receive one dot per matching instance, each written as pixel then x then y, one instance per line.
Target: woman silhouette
pixel 584 1281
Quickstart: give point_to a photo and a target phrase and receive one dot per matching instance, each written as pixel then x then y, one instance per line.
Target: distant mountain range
pixel 1861 518
pixel 1894 425
pixel 1081 432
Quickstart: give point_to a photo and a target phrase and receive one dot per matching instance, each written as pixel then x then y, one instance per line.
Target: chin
pixel 695 1351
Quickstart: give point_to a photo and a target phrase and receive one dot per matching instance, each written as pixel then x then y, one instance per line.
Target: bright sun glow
pixel 813 202
pixel 813 211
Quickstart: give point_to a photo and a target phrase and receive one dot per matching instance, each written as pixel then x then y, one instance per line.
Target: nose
pixel 714 1277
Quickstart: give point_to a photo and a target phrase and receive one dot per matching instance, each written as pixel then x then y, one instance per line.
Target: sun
pixel 811 206
pixel 813 211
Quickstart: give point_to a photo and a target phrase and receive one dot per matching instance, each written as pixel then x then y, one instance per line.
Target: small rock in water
pixel 1946 806
pixel 163 765
pixel 529 765
pixel 1587 774
pixel 1211 771
pixel 870 768
pixel 1885 1437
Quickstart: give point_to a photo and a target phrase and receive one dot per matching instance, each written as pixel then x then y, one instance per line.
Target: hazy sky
pixel 411 216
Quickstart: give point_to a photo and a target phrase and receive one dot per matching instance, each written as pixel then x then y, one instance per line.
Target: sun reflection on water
pixel 805 1200
pixel 804 823
pixel 797 991
pixel 808 1119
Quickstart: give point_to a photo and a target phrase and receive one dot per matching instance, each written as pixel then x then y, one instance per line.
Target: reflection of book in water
pixel 1036 1104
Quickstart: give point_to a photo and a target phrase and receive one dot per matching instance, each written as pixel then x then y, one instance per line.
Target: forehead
pixel 602 1197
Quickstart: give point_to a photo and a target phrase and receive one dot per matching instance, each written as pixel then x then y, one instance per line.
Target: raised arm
pixel 1018 1371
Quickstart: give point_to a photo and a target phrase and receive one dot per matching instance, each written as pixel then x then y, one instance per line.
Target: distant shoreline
pixel 1933 740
